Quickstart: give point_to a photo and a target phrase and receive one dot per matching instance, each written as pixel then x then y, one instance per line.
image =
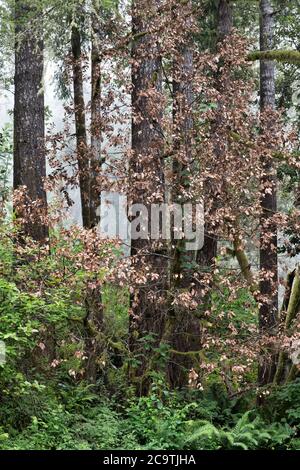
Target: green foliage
pixel 58 429
pixel 46 403
pixel 148 423
pixel 157 424
pixel 5 161
pixel 247 434
pixel 284 404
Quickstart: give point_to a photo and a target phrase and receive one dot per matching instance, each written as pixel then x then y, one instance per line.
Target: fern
pixel 204 436
pixel 247 434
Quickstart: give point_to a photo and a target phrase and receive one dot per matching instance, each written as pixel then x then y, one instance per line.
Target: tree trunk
pixel 96 122
pixel 183 325
pixel 80 125
pixel 206 256
pixel 225 21
pixel 29 128
pixel 88 166
pixel 268 250
pixel 147 186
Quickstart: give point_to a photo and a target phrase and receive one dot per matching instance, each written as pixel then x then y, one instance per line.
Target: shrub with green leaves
pixel 248 434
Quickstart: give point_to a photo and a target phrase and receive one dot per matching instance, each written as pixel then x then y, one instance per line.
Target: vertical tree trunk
pixel 80 125
pixel 89 165
pixel 206 256
pixel 225 21
pixel 183 326
pixel 268 251
pixel 29 128
pixel 146 173
pixel 96 125
pixel 186 326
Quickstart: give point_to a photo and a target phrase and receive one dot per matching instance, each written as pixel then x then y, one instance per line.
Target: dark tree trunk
pixel 88 166
pixel 267 67
pixel 186 334
pixel 96 122
pixel 80 124
pixel 225 22
pixel 147 186
pixel 94 324
pixel 29 128
pixel 183 326
pixel 268 252
pixel 206 256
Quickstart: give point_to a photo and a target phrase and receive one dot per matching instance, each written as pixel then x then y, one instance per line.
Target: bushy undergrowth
pixel 46 402
pixel 80 420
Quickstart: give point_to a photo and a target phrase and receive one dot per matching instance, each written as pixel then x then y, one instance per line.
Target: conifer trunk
pixel 268 244
pixel 29 126
pixel 183 326
pixel 147 186
pixel 88 166
pixel 80 125
pixel 96 123
pixel 225 20
pixel 207 255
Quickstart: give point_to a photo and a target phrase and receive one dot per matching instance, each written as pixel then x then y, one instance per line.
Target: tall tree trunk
pixel 147 186
pixel 96 123
pixel 206 256
pixel 89 165
pixel 80 125
pixel 29 128
pixel 225 20
pixel 268 244
pixel 183 326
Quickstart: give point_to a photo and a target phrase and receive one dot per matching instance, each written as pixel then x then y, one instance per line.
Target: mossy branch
pixel 292 310
pixel 280 55
pixel 244 264
pixel 294 301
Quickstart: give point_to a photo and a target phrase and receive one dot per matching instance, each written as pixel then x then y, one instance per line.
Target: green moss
pixel 281 55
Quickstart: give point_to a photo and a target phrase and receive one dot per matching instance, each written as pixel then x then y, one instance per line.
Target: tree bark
pixel 96 122
pixel 80 125
pixel 183 325
pixel 225 20
pixel 206 256
pixel 147 186
pixel 29 127
pixel 268 245
pixel 89 166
